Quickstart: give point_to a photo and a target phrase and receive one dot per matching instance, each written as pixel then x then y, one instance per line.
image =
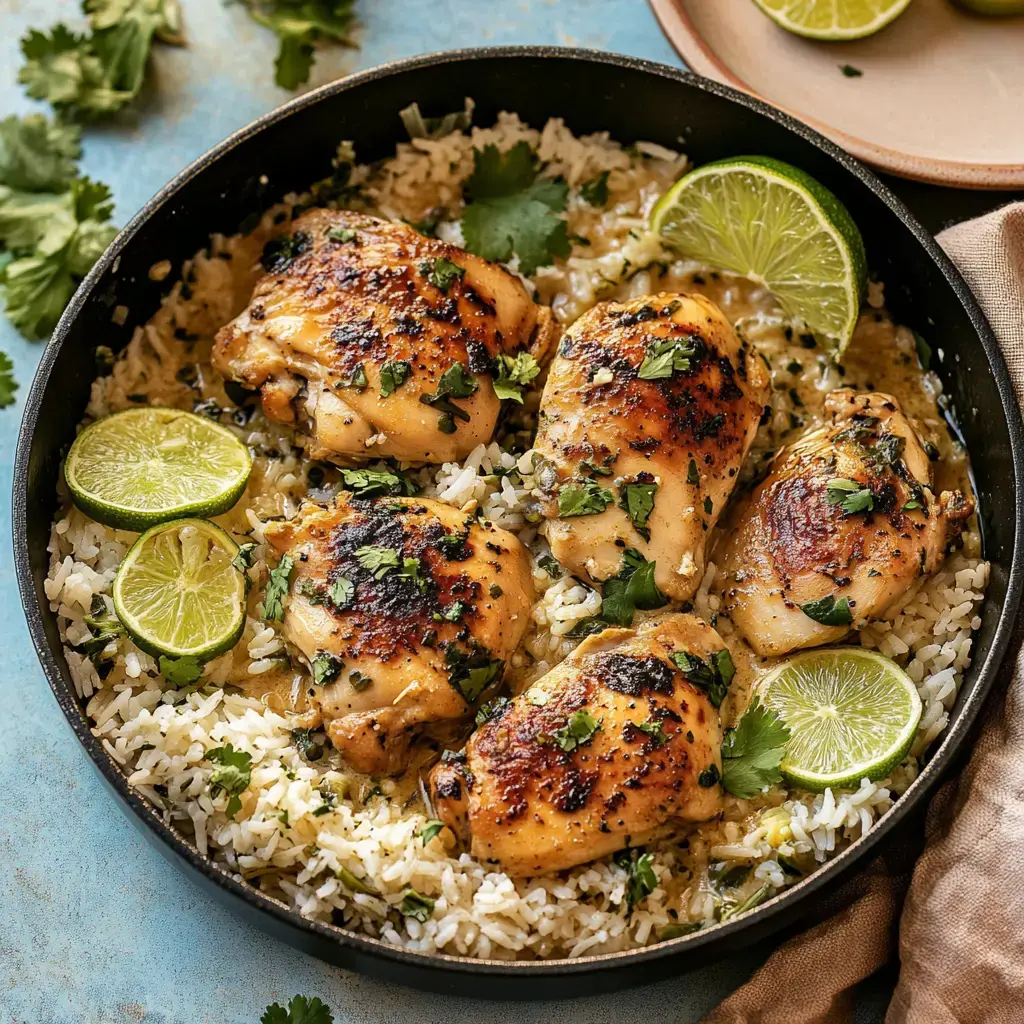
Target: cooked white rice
pixel 304 833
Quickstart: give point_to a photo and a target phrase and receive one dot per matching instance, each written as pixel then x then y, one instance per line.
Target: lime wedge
pixel 852 714
pixel 178 592
pixel 775 224
pixel 144 466
pixel 836 19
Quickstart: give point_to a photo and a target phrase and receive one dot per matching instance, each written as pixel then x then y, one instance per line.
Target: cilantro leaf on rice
pixel 511 212
pixel 753 751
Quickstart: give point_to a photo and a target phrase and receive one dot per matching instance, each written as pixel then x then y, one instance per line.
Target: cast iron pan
pixel 633 99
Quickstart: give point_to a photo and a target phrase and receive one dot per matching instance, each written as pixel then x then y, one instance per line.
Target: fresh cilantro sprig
pixel 510 211
pixel 753 751
pixel 95 75
pixel 668 356
pixel 300 1011
pixel 637 501
pixel 53 239
pixel 579 730
pixel 371 483
pixel 301 25
pixel 455 382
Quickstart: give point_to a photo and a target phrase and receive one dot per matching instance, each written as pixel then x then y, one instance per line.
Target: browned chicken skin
pixel 525 797
pixel 847 514
pixel 623 413
pixel 348 295
pixel 434 605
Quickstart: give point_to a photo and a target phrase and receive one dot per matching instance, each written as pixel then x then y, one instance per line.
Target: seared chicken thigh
pixel 613 747
pixel 838 531
pixel 647 414
pixel 378 341
pixel 406 610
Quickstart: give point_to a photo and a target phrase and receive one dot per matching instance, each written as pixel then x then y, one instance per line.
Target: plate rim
pixel 701 59
pixel 351 945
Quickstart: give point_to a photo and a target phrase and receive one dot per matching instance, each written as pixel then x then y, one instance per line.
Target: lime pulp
pixel 144 466
pixel 852 715
pixel 773 223
pixel 178 593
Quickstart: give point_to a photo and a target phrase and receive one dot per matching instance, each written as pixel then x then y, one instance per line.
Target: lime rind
pixel 136 468
pixel 178 593
pixel 852 715
pixel 837 20
pixel 774 223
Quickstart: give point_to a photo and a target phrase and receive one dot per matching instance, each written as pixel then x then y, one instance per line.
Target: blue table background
pixel 95 926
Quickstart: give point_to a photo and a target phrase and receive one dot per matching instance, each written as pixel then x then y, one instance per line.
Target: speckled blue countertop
pixel 95 926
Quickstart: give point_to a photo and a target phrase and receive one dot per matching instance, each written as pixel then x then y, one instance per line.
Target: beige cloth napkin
pixel 961 934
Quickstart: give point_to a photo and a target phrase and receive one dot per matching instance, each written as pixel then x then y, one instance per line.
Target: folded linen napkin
pixel 961 933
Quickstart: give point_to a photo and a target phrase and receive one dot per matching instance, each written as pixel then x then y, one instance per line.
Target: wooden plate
pixel 940 97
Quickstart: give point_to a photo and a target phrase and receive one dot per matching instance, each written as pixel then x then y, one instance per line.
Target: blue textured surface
pixel 95 927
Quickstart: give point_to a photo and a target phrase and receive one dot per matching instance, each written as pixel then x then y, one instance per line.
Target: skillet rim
pixel 763 919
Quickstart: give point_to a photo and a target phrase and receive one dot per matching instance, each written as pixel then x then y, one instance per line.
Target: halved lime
pixel 852 714
pixel 144 466
pixel 775 224
pixel 835 19
pixel 178 592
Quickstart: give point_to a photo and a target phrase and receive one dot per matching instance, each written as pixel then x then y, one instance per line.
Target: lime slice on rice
pixel 775 224
pixel 852 714
pixel 145 466
pixel 836 19
pixel 178 593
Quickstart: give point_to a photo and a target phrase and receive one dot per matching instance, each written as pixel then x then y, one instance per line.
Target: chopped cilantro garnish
pixel 753 751
pixel 849 71
pixel 514 374
pixel 180 671
pixel 655 730
pixel 455 382
pixel 416 906
pixel 431 829
pixel 709 506
pixel 453 612
pixel 326 668
pixel 491 710
pixel 309 748
pixel 378 560
pixel 550 565
pixel 713 676
pixel 471 672
pixel 586 498
pixel 371 483
pixel 281 252
pixel 341 593
pixel 851 495
pixel 510 211
pixel 692 476
pixel 637 500
pixel 632 587
pixel 829 611
pixel 357 380
pixel 595 191
pixel 641 879
pixel 442 273
pixel 393 374
pixel 578 730
pixel 232 776
pixel 667 356
pixel 272 607
pixel 245 556
pixel 359 681
pixel 924 351
pixel 341 234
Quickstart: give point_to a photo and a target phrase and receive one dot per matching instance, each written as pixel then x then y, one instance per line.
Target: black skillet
pixel 633 99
